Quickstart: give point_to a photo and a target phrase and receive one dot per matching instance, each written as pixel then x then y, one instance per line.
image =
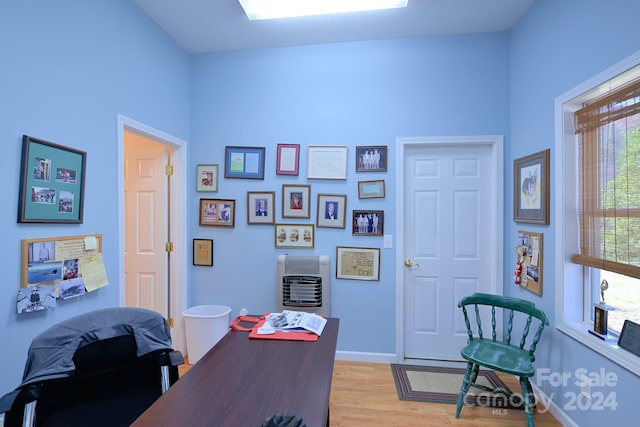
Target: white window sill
pixel 608 348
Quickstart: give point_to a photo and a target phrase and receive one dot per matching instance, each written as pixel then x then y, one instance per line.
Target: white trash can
pixel 204 325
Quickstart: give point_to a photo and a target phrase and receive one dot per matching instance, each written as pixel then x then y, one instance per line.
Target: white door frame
pixel 495 142
pixel 178 259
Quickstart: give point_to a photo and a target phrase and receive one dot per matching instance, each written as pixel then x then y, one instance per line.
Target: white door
pixel 146 229
pixel 452 195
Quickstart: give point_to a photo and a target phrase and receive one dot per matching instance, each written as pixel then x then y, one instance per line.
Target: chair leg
pixel 469 378
pixel 528 399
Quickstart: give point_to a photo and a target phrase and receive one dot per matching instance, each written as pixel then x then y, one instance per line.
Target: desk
pixel 241 382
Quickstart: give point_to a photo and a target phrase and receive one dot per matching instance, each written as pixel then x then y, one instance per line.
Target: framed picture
pixel 288 159
pixel 207 178
pixel 260 207
pixel 244 162
pixel 371 189
pixel 203 252
pixel 332 209
pixel 327 162
pixel 529 261
pixel 531 188
pixel 51 183
pixel 357 263
pixel 371 158
pixel 217 212
pixel 294 236
pixel 367 223
pixel 296 201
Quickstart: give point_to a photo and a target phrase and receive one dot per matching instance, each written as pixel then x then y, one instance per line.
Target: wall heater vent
pixel 304 283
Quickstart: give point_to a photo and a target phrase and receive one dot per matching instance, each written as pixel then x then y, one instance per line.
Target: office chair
pixel 498 353
pixel 102 368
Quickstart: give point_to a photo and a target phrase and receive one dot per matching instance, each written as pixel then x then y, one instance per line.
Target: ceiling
pixel 201 26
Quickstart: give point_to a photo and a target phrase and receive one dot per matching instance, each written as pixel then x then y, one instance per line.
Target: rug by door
pixel 442 385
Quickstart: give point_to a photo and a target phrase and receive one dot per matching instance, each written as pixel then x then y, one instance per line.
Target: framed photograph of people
pixel 260 207
pixel 367 223
pixel 332 210
pixel 244 162
pixel 294 236
pixel 357 263
pixel 203 252
pixel 371 189
pixel 371 158
pixel 531 188
pixel 217 212
pixel 327 162
pixel 207 178
pixel 296 200
pixel 51 183
pixel 288 159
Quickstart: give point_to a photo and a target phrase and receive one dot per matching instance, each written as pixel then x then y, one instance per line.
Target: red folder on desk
pixel 278 335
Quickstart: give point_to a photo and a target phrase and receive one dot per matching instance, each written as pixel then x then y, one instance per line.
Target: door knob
pixel 409 264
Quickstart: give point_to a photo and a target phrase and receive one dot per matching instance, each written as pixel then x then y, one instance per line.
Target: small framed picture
pixel 288 159
pixel 207 178
pixel 332 210
pixel 296 200
pixel 531 188
pixel 217 212
pixel 357 263
pixel 260 207
pixel 244 162
pixel 368 223
pixel 294 236
pixel 203 252
pixel 327 162
pixel 371 189
pixel 371 158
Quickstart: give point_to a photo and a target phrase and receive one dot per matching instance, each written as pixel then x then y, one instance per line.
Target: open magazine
pixel 290 321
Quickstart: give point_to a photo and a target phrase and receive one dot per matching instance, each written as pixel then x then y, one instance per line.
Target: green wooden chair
pixel 498 353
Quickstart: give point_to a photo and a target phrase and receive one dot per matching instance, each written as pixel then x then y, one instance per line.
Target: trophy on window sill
pixel 601 313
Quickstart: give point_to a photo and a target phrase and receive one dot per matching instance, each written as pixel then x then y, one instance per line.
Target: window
pixel 598 174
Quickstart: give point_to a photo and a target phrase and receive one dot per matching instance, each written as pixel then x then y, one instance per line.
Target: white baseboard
pixel 557 412
pixel 356 356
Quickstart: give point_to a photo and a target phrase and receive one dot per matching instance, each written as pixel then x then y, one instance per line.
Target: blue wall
pixel 68 69
pixel 366 93
pixel 557 46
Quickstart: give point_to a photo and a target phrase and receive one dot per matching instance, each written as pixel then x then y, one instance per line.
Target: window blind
pixel 608 138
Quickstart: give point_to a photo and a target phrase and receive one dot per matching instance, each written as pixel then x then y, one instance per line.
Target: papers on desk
pixel 293 321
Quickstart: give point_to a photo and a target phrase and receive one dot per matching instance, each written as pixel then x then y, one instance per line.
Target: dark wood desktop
pixel 241 382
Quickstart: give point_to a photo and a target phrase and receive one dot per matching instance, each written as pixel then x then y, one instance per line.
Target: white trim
pixel 495 142
pixel 568 276
pixel 355 356
pixel 178 261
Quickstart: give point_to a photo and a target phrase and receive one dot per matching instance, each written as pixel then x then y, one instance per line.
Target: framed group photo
pixel 531 188
pixel 294 236
pixel 367 223
pixel 371 158
pixel 244 162
pixel 357 263
pixel 51 183
pixel 296 201
pixel 332 209
pixel 217 212
pixel 207 178
pixel 261 207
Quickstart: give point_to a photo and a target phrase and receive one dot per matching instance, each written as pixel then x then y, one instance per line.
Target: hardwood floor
pixel 364 394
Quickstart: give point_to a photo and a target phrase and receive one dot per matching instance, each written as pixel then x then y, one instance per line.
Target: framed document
pixel 327 162
pixel 357 263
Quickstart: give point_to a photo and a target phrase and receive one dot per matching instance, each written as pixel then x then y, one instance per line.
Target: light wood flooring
pixel 364 394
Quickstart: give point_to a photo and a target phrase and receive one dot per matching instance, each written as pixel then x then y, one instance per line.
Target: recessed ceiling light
pixel 272 9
